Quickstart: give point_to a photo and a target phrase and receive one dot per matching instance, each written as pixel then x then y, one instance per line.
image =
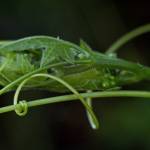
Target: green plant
pixel 67 67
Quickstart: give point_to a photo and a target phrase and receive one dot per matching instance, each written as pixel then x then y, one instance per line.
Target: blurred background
pixel 124 122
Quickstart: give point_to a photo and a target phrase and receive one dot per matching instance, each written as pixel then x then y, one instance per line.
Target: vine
pixel 21 107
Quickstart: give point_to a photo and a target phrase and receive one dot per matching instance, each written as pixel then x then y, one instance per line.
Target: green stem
pixel 66 98
pixel 90 119
pixel 88 108
pixel 127 37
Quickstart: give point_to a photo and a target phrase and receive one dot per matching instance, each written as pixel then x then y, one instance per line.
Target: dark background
pixel 125 122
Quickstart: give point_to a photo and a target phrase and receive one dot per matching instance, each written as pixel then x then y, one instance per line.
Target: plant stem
pixel 127 37
pixel 65 84
pixel 66 98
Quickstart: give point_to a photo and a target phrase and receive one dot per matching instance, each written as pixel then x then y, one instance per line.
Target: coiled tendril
pixel 22 109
